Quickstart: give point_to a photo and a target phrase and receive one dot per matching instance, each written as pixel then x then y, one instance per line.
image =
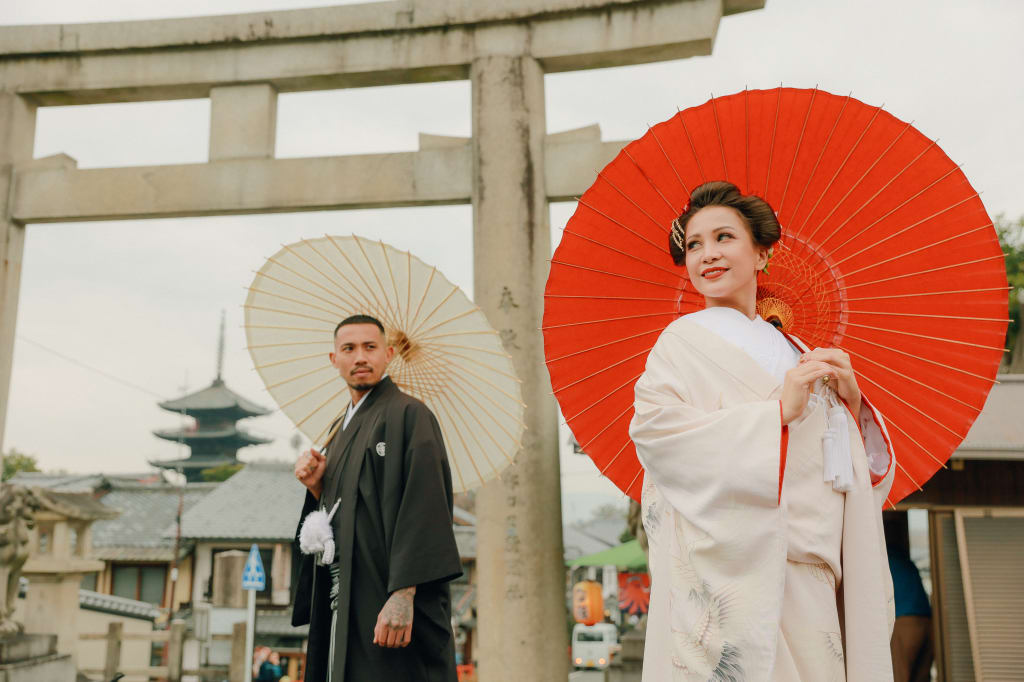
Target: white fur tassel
pixel 316 536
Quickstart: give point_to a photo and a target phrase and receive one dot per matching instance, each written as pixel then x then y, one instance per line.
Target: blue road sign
pixel 254 577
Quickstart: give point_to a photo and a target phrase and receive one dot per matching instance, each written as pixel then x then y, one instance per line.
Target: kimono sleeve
pixel 423 548
pixel 302 570
pixel 878 448
pixel 705 461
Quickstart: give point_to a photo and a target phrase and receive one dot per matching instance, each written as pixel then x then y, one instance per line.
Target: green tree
pixel 221 473
pixel 15 461
pixel 1011 239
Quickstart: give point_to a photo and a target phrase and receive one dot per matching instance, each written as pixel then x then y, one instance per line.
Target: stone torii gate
pixel 509 170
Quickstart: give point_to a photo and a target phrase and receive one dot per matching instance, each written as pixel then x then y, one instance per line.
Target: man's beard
pixel 363 385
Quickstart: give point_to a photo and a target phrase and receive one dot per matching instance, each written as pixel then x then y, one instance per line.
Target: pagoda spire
pixel 220 349
pixel 215 438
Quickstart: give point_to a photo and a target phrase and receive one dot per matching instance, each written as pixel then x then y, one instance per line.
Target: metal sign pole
pixel 250 633
pixel 254 578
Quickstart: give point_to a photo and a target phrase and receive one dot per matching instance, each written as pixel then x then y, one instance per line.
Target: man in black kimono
pixel 381 610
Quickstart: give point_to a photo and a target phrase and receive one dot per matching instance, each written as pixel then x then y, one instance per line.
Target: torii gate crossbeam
pixel 509 170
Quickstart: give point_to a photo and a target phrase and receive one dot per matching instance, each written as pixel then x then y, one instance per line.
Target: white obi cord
pixel 835 442
pixel 838 461
pixel 316 535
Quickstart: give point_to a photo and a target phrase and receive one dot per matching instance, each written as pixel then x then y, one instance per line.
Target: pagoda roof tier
pixel 204 461
pixel 195 463
pixel 216 397
pixel 231 436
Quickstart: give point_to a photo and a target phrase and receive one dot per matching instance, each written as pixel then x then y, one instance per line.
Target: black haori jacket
pixel 393 529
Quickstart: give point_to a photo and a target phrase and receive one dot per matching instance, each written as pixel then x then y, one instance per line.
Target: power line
pixel 108 375
pixel 89 367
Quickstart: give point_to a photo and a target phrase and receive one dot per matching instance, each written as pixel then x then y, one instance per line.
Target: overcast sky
pixel 140 300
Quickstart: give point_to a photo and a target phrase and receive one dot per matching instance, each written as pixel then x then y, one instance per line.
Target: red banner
pixel 634 593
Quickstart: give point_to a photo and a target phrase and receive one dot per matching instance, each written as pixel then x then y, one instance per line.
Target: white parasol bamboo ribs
pixel 446 352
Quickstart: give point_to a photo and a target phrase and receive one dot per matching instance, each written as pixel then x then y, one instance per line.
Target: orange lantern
pixel 587 602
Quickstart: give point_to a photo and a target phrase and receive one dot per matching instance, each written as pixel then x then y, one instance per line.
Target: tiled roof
pixel 121 606
pixel 82 483
pixel 216 396
pixel 263 502
pixel 145 528
pixel 998 432
pixel 75 505
pixel 198 462
pixel 607 531
pixel 73 483
pixel 577 543
pixel 260 502
pixel 142 554
pixel 230 432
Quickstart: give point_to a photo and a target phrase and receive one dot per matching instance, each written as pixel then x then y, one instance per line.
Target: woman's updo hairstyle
pixel 759 216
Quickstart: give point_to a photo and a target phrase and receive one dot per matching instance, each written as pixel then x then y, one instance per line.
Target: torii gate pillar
pixel 520 584
pixel 17 137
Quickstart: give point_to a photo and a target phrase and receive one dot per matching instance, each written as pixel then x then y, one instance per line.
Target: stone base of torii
pixel 509 170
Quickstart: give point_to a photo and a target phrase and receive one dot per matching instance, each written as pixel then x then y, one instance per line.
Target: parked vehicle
pixel 594 646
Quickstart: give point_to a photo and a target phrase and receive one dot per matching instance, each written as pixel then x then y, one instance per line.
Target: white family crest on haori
pixel 380 448
pixel 316 536
pixel 446 352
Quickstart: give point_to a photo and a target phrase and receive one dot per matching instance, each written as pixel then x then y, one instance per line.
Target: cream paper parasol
pixel 446 352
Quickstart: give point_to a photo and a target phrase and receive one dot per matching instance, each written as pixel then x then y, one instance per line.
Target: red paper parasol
pixel 886 252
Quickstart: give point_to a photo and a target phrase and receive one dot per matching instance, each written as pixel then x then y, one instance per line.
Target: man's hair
pixel 359 319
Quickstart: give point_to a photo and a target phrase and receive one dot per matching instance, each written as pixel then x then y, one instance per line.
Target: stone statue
pixel 17 518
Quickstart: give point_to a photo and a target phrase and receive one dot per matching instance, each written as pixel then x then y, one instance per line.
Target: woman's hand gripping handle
pixel 799 384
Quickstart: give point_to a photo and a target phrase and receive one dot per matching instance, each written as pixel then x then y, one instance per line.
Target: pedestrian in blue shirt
pixel 912 643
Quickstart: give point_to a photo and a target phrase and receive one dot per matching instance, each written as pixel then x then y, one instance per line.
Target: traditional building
pixel 59 553
pixel 63 551
pixel 970 547
pixel 214 438
pixel 972 543
pixel 137 547
pixel 260 506
pixel 138 619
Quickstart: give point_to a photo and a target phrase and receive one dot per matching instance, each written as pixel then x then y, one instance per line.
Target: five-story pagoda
pixel 214 438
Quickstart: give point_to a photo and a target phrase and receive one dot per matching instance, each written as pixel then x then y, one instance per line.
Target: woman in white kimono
pixel 761 500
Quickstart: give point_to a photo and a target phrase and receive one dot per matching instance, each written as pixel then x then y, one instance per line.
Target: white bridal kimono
pixel 760 570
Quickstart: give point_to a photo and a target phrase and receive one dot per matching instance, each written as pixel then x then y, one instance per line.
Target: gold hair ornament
pixel 677 229
pixel 677 235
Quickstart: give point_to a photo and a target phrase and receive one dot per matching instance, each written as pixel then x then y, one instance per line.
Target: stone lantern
pixel 59 548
